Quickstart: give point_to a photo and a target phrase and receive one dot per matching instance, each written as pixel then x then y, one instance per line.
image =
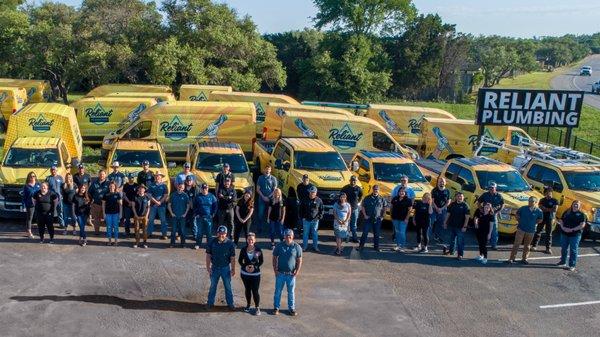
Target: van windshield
pixel 213 162
pixel 392 172
pixel 507 181
pixel 135 158
pixel 319 161
pixel 34 158
pixel 583 181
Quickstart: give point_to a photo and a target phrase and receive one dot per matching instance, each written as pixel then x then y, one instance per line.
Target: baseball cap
pixel 115 164
pixel 288 232
pixel 53 167
pixel 80 165
pixel 130 175
pixel 404 176
pixel 492 184
pixel 186 165
pixel 305 176
pixel 145 162
pixel 226 165
pixel 222 229
pixel 189 178
pixel 204 185
pixel 353 178
pixel 312 189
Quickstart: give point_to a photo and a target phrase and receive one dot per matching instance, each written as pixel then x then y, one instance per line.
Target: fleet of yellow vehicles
pixel 38 91
pixel 12 99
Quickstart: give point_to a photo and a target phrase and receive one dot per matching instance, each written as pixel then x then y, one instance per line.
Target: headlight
pixel 505 213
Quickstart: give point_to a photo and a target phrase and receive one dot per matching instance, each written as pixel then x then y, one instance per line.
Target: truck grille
pixel 328 197
pixel 13 194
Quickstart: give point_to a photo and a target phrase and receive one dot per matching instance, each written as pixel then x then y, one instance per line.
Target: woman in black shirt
pixel 401 207
pixel 483 227
pixel 243 216
pixel 45 203
pixel 276 216
pixel 81 203
pixel 68 191
pixel 112 209
pixel 422 213
pixel 571 226
pixel 250 260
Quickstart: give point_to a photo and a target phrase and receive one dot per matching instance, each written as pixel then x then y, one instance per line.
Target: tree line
pixel 357 51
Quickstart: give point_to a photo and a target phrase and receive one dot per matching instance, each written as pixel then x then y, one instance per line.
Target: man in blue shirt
pixel 410 193
pixel 220 264
pixel 158 205
pixel 205 208
pixel 287 261
pixel 265 186
pixel 116 176
pixel 180 178
pixel 98 189
pixel 179 206
pixel 528 217
pixel 55 183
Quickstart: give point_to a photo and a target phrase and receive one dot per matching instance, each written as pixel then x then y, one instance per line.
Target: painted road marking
pixel 564 305
pixel 554 257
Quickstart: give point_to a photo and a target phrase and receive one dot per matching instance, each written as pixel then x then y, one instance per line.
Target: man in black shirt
pixel 302 195
pixel 493 197
pixel 227 199
pixel 441 199
pixel 549 206
pixel 221 177
pixel 81 178
pixel 145 176
pixel 311 212
pixel 129 192
pixel 354 196
pixel 141 208
pixel 456 221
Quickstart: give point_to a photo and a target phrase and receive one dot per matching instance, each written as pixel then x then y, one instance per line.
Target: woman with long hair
pixel 31 186
pixel 483 226
pixel 341 214
pixel 82 203
pixel 250 260
pixel 422 214
pixel 69 189
pixel 572 224
pixel 112 211
pixel 276 216
pixel 243 215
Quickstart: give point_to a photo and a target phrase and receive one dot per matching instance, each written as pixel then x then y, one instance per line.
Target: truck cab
pixel 207 159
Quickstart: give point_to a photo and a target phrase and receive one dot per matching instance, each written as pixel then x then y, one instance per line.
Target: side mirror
pixel 354 166
pixel 102 163
pixel 171 164
pixel 469 187
pixel 287 166
pixel 558 187
pixel 278 164
pixel 364 177
pixel 428 178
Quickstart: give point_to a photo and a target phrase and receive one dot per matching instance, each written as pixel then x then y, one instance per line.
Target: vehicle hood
pixel 324 179
pixel 518 199
pixel 242 180
pixel 9 175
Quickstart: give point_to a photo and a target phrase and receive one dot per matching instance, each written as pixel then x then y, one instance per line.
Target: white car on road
pixel 585 71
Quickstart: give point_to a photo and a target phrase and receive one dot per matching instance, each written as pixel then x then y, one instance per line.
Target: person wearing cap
pixel 179 206
pixel 227 199
pixel 222 177
pixel 265 185
pixel 205 208
pixel 354 195
pixel 373 209
pixel 410 193
pixel 55 182
pixel 220 264
pixel 302 194
pixel 98 189
pixel 145 176
pixel 191 190
pixel 158 205
pixel 81 177
pixel 129 192
pixel 311 212
pixel 493 197
pixel 528 217
pixel 117 176
pixel 141 209
pixel 441 200
pixel 287 262
pixel 549 206
pixel 182 176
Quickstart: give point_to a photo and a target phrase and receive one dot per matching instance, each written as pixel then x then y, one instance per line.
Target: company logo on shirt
pixel 175 129
pixel 41 124
pixel 260 112
pixel 344 138
pixel 98 115
pixel 201 97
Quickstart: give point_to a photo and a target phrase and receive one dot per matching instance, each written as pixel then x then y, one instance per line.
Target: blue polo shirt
pixel 205 205
pixel 528 219
pixel 220 252
pixel 179 203
pixel 158 191
pixel 118 178
pixel 267 184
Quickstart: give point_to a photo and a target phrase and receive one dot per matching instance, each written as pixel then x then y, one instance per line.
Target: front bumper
pixel 11 202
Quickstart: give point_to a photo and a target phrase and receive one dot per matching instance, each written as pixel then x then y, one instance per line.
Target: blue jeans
pixel 290 282
pixel 312 228
pixel 220 273
pixel 437 223
pixel 178 226
pixel 68 217
pixel 112 225
pixel 569 244
pixel 203 226
pixel 276 230
pixel 373 224
pixel 494 237
pixel 82 221
pixel 457 236
pixel 261 214
pixel 162 214
pixel 400 228
pixel 353 220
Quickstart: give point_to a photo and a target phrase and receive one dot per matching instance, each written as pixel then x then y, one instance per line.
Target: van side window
pixel 278 152
pixel 534 172
pixel 451 171
pixel 465 177
pixel 140 130
pixel 382 142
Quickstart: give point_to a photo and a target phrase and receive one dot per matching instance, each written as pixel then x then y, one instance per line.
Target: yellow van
pixel 158 96
pixel 197 92
pixel 12 99
pixel 106 89
pixel 38 91
pixel 404 122
pixel 97 116
pixel 177 124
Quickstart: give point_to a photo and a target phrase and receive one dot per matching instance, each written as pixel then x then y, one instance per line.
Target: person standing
pixel 81 177
pixel 483 227
pixel 112 210
pixel 493 197
pixel 29 190
pixel 302 197
pixel 276 216
pixel 55 182
pixel 222 177
pixel 410 193
pixel 116 176
pixel 528 218
pixel 68 191
pixel 97 191
pixel 250 260
pixel 421 220
pixel 401 207
pixel 341 215
pixel 182 176
pixel 549 206
pixel 287 262
pixel 243 216
pixel 158 205
pixel 191 190
pixel 265 186
pixel 373 210
pixel 81 204
pixel 441 200
pixel 311 212
pixel 179 206
pixel 141 209
pixel 571 225
pixel 220 264
pixel 45 202
pixel 205 208
pixel 457 220
pixel 129 192
pixel 145 176
pixel 354 194
pixel 227 200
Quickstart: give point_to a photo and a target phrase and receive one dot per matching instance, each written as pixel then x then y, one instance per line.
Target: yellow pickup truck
pixel 132 153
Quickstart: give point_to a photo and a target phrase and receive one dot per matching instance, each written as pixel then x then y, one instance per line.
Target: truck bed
pixel 266 145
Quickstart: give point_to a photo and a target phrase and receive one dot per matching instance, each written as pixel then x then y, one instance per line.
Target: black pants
pixel 251 285
pixel 422 237
pixel 238 230
pixel 482 234
pixel 45 221
pixel 545 226
pixel 29 218
pixel 225 218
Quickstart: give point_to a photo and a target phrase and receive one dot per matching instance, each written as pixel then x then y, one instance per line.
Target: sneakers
pixel 484 261
pixel 84 244
pixel 257 311
pixel 533 248
pixel 134 246
pixel 479 258
pixel 247 309
pixel 276 311
pixel 509 261
pixel 417 248
pixel 196 247
pixel 424 250
pixel 524 262
pixel 561 264
pixel 459 258
pixel 164 237
pixel 144 246
pixel 295 313
pixel 51 242
pixel 548 251
pixel 571 268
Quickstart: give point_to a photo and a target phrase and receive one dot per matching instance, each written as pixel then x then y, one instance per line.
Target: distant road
pixel 571 80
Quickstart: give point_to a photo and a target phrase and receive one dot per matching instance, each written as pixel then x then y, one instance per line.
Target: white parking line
pixel 554 257
pixel 563 305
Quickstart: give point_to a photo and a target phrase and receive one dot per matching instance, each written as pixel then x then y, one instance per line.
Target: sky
pixel 518 18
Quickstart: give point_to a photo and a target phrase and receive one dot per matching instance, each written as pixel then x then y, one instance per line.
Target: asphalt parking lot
pixel 68 290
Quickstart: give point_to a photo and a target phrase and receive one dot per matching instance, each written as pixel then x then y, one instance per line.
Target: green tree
pixel 14 30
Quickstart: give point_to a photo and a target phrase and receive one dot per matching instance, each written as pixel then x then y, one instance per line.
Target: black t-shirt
pixel 400 207
pixel 228 199
pixel 483 221
pixel 572 220
pixel 141 204
pixel 112 202
pixel 276 210
pixel 221 177
pixel 353 194
pixel 129 190
pixel 458 212
pixel 145 178
pixel 440 197
pixel 191 192
pixel 549 203
pixel 243 208
pixel 67 194
pixel 421 212
pixel 82 207
pixel 302 191
pixel 82 179
pixel 44 203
